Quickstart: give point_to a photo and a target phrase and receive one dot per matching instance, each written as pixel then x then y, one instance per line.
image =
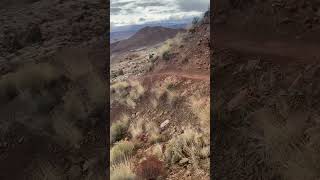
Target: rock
pixel 164 124
pixel 21 140
pixel 183 161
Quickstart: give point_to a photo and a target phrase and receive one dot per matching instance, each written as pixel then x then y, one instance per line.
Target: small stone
pixel 164 124
pixel 21 140
pixel 183 161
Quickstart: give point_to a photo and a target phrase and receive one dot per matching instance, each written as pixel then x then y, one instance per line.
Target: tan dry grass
pixel 126 93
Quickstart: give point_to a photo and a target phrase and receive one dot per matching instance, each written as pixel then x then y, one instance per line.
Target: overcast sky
pixel 129 12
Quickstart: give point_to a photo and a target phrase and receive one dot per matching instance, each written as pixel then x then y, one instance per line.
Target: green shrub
pixel 119 129
pixel 195 21
pixel 120 151
pixel 166 55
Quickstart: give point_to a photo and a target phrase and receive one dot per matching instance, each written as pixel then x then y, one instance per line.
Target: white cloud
pixel 128 12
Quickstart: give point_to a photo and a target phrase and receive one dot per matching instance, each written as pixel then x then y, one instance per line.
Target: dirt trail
pixel 181 74
pixel 280 51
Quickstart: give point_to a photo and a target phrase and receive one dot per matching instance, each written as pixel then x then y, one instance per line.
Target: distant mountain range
pixel 146 36
pixel 124 32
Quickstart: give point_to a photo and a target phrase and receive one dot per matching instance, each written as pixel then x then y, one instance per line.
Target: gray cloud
pixel 126 12
pixel 193 5
pixel 150 4
pixel 115 10
pixel 120 4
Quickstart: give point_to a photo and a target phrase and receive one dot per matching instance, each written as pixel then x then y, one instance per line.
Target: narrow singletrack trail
pixel 279 51
pixel 180 74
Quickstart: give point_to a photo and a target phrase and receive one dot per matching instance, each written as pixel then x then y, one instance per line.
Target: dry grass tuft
pixel 66 130
pixel 33 78
pixel 137 128
pixel 126 93
pixel 201 108
pixel 150 129
pixel 74 106
pixel 164 94
pixel 122 171
pixel 153 132
pixel 189 144
pixel 120 151
pixel 119 129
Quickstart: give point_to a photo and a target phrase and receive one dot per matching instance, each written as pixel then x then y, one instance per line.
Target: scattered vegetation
pixel 119 129
pixel 150 168
pixel 121 151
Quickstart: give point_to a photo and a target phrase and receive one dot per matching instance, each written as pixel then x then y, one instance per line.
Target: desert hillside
pixel 160 101
pixel 146 36
pixel 266 84
pixel 52 89
pixel 293 19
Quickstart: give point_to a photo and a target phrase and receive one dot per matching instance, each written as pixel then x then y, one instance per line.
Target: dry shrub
pixel 168 44
pixel 120 151
pixel 164 94
pixel 137 128
pixel 190 144
pixel 96 92
pixel 287 144
pixel 142 129
pixel 119 129
pixel 41 169
pixel 150 168
pixel 201 108
pixel 66 130
pixel 122 171
pixel 157 151
pixel 74 106
pixel 165 47
pixel 153 132
pixel 126 93
pixel 32 77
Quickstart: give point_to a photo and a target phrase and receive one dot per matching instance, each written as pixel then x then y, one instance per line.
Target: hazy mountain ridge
pixel 145 37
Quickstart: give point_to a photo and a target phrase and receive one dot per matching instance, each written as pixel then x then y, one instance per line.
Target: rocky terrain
pixel 52 89
pixel 266 88
pixel 160 109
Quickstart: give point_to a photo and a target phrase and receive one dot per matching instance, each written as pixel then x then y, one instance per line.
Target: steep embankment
pixel 266 84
